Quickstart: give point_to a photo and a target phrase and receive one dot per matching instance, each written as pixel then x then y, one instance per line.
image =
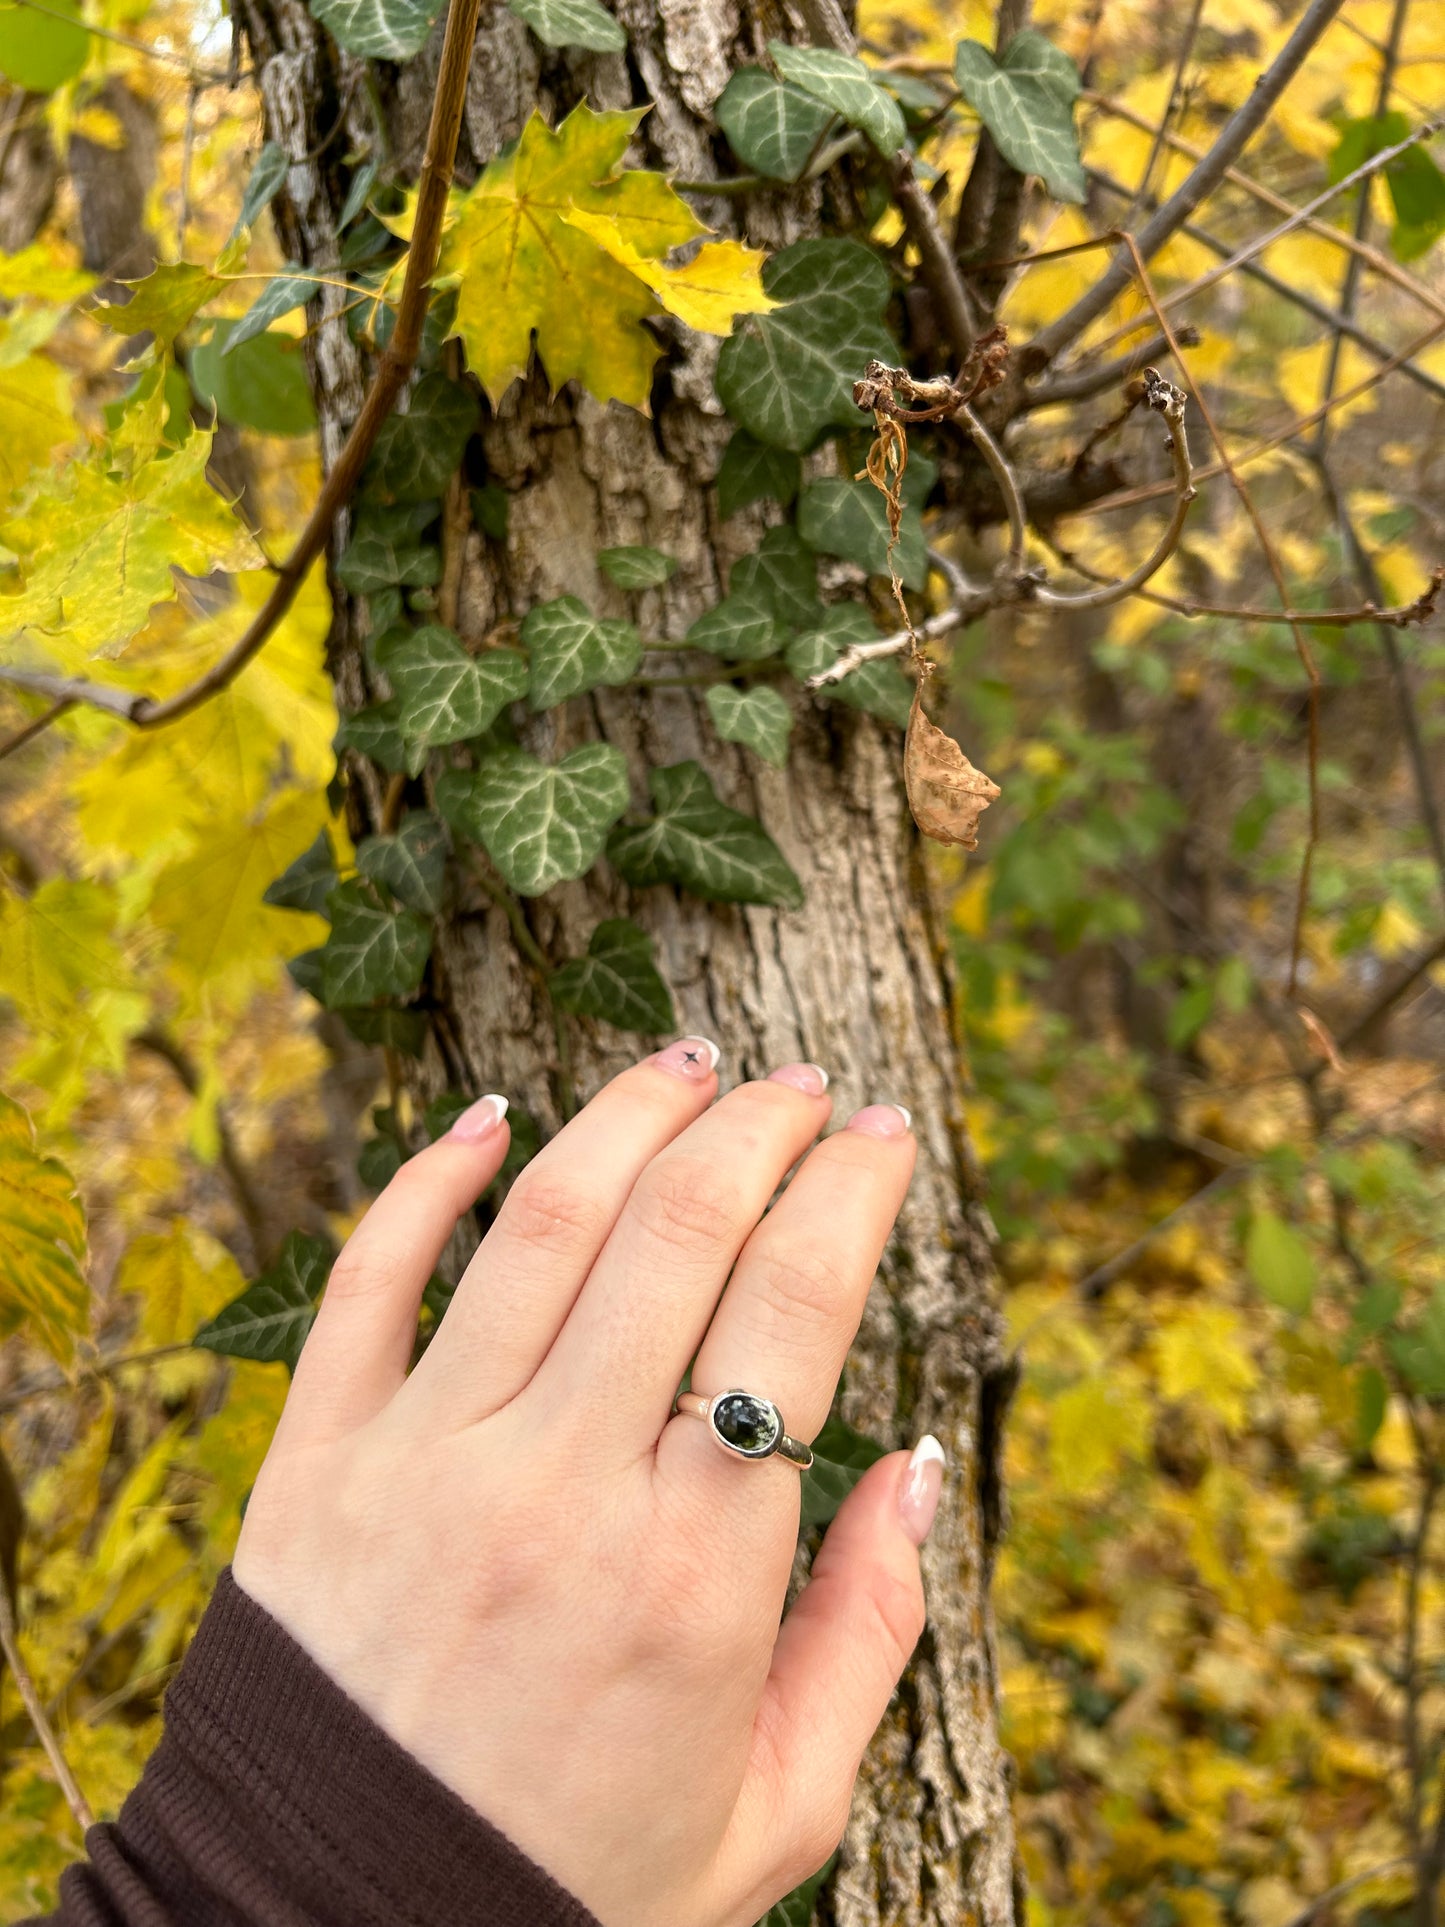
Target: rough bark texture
pixel 858 980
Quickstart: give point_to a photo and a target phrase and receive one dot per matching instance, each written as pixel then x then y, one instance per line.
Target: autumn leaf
pixel 946 794
pixel 42 1237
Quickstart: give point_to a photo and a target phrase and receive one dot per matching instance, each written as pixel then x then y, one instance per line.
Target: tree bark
pixel 858 980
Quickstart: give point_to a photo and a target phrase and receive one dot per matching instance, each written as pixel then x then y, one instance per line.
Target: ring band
pixel 747 1426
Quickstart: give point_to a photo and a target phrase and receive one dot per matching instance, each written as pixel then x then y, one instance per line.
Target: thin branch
pixel 35 727
pixel 1327 1899
pixel 102 1367
pixel 935 258
pixel 1410 1657
pixel 1405 616
pixel 1399 986
pixel 1186 47
pixel 1008 487
pixel 1087 382
pixel 44 1731
pixel 395 367
pixel 1234 136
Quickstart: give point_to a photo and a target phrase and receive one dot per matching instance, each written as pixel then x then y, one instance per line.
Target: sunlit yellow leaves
pixel 179 1279
pixel 35 408
pixel 559 238
pixel 42 1238
pixel 62 964
pixel 1094 1428
pixel 1204 1357
pixel 44 271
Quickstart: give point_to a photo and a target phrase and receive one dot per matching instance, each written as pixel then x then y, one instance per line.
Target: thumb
pixel 843 1647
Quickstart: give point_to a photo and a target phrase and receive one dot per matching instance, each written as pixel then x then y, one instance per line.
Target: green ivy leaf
pixel 263 385
pixel 273 164
pixel 272 1316
pixel 697 841
pixel 376 732
pixel 289 290
pixel 412 863
pixel 379 1160
pixel 838 517
pixel 788 375
pixel 417 453
pixel 304 971
pixel 842 82
pixel 840 1458
pixel 539 823
pixel 373 561
pixel 880 688
pixel 571 23
pixel 1027 104
pixel 783 576
pixel 740 628
pixel 1279 1262
pixel 796 1909
pixel 636 568
pixel 616 981
pixel 372 952
pixel 771 127
pixel 751 472
pixel 388 1026
pixel 444 695
pixel 306 883
pixel 758 718
pixel 378 29
pixel 569 650
pixel 358 194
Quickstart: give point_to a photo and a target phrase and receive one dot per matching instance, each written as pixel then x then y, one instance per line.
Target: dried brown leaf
pixel 946 794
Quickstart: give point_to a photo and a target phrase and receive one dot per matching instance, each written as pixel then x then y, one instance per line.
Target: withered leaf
pixel 946 794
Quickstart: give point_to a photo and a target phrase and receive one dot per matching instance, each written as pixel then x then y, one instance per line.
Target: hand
pixel 564 1601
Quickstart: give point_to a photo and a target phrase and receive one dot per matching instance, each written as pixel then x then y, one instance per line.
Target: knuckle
pixel 686 1201
pixel 550 1214
pixel 801 1288
pixel 365 1270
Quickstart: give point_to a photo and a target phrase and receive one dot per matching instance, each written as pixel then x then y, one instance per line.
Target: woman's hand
pixel 564 1601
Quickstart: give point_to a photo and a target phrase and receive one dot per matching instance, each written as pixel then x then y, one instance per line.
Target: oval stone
pixel 749 1425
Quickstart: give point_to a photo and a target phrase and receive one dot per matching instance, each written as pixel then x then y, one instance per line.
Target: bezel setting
pixel 765 1406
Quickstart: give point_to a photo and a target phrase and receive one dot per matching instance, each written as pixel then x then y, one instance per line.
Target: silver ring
pixel 747 1426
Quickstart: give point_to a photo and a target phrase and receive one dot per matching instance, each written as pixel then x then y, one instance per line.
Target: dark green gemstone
pixel 747 1424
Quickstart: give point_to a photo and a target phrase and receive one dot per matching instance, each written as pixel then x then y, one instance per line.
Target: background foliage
pixel 1221 1597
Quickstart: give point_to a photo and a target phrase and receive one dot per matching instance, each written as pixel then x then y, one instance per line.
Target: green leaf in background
pixel 306 883
pixel 444 695
pixel 1416 185
pixel 1374 1309
pixel 41 51
pixel 839 517
pixel 540 823
pixel 571 23
pixel 1372 1397
pixel 787 375
pixel 376 732
pixel 373 951
pixel 378 29
pixel 696 840
pixel 783 576
pixel 617 980
pixel 796 1909
pixel 379 1160
pixel 636 568
pixel 411 864
pixel 840 1458
pixel 740 628
pixel 771 126
pixel 569 650
pixel 42 1239
pixel 843 83
pixel 752 472
pixel 289 290
pixel 1027 104
pixel 388 1026
pixel 1279 1262
pixel 758 718
pixel 880 688
pixel 271 168
pixel 270 1319
pixel 1188 1014
pixel 262 386
pixel 1419 1354
pixel 417 453
pixel 358 194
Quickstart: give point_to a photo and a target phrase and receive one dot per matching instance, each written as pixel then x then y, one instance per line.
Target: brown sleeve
pixel 272 1800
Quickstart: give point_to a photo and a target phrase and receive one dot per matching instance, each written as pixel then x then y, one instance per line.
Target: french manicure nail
pixel 810 1079
pixel 919 1492
pixel 694 1057
pixel 480 1118
pixel 882 1120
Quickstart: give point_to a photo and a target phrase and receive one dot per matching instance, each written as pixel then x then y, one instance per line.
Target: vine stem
pixel 44 1731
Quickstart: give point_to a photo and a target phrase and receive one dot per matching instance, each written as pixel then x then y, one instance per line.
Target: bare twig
pixel 35 727
pixel 1008 487
pixel 1338 1892
pixel 159 1042
pixel 1086 382
pixel 44 1731
pixel 1429 1477
pixel 936 259
pixel 1186 47
pixel 1405 616
pixel 102 1367
pixel 1399 986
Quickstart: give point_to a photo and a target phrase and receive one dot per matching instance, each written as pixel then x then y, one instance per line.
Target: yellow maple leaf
pixel 723 278
pixel 35 407
pixel 42 1238
pixel 524 258
pixel 181 1278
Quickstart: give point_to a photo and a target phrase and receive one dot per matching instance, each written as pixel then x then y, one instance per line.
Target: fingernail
pixel 480 1118
pixel 694 1057
pixel 882 1120
pixel 810 1079
pixel 922 1483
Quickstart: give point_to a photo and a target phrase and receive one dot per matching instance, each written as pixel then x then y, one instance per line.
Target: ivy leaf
pixel 697 841
pixel 839 517
pixel 389 1026
pixel 740 628
pixel 880 687
pixel 636 568
pixel 289 290
pixel 378 29
pixel 758 718
pixel 412 863
pixel 373 560
pixel 783 576
pixel 771 127
pixel 539 823
pixel 842 82
pixel 372 952
pixel 272 1316
pixel 376 732
pixel 616 981
pixel 752 472
pixel 788 375
pixel 570 650
pixel 417 453
pixel 358 194
pixel 796 1909
pixel 273 164
pixel 571 23
pixel 1027 104
pixel 444 695
pixel 840 1458
pixel 306 883
pixel 1279 1262
pixel 262 386
pixel 42 1238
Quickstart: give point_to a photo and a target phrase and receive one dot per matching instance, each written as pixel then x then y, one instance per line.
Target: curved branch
pixel 1008 486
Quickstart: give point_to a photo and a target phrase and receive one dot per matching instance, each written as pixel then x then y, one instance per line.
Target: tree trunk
pixel 858 980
